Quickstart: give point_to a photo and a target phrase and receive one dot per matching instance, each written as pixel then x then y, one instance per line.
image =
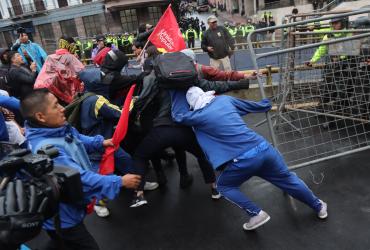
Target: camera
pixel 31 189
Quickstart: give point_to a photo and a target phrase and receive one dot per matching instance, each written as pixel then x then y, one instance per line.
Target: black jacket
pixel 158 100
pixel 221 41
pixel 111 70
pixel 20 81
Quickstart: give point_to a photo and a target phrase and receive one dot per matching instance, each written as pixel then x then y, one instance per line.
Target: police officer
pixel 239 34
pixel 191 35
pixel 337 77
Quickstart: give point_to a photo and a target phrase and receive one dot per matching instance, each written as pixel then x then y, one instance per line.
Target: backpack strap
pixel 199 70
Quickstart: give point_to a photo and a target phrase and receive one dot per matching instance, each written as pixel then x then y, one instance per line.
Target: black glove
pixel 21 211
pixel 242 84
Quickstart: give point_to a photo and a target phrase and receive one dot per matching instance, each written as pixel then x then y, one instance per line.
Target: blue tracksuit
pixel 99 117
pixel 94 185
pixel 227 141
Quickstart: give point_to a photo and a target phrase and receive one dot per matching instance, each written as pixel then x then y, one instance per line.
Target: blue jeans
pixel 265 162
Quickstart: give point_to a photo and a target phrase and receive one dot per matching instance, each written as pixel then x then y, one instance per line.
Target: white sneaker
pixel 101 211
pixel 323 214
pixel 149 186
pixel 256 221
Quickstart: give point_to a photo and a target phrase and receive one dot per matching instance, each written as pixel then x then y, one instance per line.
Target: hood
pixel 92 81
pixel 115 60
pixel 198 99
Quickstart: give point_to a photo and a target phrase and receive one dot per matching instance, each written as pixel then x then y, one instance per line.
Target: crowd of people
pixel 57 91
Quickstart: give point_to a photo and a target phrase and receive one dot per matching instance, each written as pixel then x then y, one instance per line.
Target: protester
pixel 100 51
pixel 21 79
pixel 46 121
pixel 165 133
pixel 218 43
pixel 60 72
pixel 10 103
pixel 15 131
pixel 4 68
pixel 118 84
pixel 30 52
pixel 238 151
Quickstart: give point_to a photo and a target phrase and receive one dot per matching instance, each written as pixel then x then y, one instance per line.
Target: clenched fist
pixel 131 181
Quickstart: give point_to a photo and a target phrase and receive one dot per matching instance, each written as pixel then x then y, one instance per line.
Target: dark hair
pixel 21 30
pixel 4 52
pixel 152 51
pixel 34 102
pixel 138 44
pixel 11 54
pixel 142 28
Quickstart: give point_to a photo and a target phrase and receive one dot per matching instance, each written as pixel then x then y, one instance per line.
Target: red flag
pixel 166 35
pixel 107 162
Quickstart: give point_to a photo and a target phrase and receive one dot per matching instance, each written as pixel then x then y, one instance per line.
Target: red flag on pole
pixel 107 162
pixel 166 34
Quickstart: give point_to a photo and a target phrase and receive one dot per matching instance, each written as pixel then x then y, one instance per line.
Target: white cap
pixel 212 19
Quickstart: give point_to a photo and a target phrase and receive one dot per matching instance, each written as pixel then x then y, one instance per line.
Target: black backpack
pixel 175 71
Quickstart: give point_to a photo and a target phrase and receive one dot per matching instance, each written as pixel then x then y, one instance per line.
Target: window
pixel 69 28
pixel 92 25
pixel 155 14
pixel 129 20
pixel 62 3
pixel 6 39
pixel 47 37
pixel 40 5
pixel 86 1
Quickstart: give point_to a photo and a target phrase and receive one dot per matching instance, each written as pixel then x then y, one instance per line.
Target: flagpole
pixel 146 44
pixel 142 51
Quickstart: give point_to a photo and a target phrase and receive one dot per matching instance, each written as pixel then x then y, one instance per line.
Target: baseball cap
pixel 211 19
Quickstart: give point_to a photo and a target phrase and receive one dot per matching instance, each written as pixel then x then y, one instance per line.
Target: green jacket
pixel 323 49
pixel 240 31
pixel 232 31
pixel 248 28
pixel 191 31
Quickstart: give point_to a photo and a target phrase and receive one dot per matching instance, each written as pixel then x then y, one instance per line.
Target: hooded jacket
pixel 34 51
pixel 219 127
pixel 111 68
pixel 59 75
pixel 94 185
pixel 98 115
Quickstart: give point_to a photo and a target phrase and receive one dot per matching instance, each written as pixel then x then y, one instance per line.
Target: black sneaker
pixel 186 181
pixel 215 194
pixel 138 201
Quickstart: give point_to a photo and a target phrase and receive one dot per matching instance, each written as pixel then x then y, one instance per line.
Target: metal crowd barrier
pixel 323 111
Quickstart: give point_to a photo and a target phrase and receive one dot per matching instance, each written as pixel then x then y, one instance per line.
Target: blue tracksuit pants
pixel 265 162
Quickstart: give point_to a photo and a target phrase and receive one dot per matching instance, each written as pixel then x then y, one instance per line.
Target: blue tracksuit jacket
pixel 221 139
pixel 94 185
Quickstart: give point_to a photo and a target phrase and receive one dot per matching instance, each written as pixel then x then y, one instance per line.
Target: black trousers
pixel 191 42
pixel 159 138
pixel 74 238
